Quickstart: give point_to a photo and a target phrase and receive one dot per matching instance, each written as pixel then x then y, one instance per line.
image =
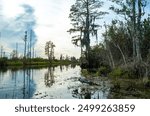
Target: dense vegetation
pixel 125 50
pixel 126 42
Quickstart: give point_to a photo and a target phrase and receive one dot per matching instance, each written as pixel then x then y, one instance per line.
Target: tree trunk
pixel 133 19
pixel 123 56
pixel 108 49
pixel 25 46
pixel 48 52
pixel 111 57
pixel 138 31
pixel 87 33
pixel 110 63
pixel 81 42
pixel 110 54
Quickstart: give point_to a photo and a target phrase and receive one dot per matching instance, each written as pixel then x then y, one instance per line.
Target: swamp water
pixel 61 82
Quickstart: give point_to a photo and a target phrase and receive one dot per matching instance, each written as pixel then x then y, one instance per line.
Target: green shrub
pixel 103 71
pixel 84 72
pixel 135 70
pixel 15 63
pixel 132 70
pixel 116 73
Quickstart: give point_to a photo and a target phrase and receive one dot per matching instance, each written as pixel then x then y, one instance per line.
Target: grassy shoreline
pixel 4 63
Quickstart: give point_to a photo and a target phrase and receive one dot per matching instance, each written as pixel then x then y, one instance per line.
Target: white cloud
pixel 52 23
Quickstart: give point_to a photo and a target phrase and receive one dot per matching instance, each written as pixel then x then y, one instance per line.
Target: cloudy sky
pixel 47 18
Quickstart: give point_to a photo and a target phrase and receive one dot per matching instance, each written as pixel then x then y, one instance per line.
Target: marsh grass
pixel 129 89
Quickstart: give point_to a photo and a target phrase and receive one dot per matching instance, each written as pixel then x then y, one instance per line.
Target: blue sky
pixel 49 21
pixel 47 18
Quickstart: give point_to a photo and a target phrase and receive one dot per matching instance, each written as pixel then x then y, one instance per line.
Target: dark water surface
pixel 61 82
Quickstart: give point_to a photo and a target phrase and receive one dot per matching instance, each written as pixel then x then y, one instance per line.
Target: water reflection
pixel 14 76
pixel 49 77
pixel 61 82
pixel 17 84
pixel 67 67
pixel 2 72
pixel 73 65
pixel 61 68
pixel 28 83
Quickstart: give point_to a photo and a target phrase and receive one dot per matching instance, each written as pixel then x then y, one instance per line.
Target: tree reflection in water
pixel 49 77
pixel 28 83
pixel 42 83
pixel 2 72
pixel 73 65
pixel 17 83
pixel 66 67
pixel 61 68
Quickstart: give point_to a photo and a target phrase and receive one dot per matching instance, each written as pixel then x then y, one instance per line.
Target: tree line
pixel 29 57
